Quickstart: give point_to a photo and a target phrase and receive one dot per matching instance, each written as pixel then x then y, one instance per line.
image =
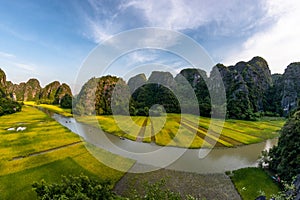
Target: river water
pixel 216 160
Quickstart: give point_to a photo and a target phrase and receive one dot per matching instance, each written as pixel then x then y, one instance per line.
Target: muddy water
pixel 217 160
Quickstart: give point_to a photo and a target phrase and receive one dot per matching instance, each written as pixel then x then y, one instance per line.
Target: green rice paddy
pixel 188 131
pixel 46 150
pixel 54 108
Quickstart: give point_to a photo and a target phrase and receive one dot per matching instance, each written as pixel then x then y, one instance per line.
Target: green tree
pixel 285 157
pixel 71 187
pixel 84 188
pixel 66 101
pixel 151 94
pixel 9 106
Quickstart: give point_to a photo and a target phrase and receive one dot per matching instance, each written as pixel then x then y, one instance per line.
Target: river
pixel 217 160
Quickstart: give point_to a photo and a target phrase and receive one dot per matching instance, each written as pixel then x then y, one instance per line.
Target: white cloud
pixel 98 34
pixel 27 67
pixel 99 20
pixel 140 57
pixel 279 44
pixel 15 68
pixel 181 15
pixel 226 16
pixel 6 55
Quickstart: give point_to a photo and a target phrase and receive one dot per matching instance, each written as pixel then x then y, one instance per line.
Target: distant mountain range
pixel 251 91
pixel 32 90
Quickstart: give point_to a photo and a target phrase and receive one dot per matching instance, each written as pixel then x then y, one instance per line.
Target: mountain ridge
pixel 251 90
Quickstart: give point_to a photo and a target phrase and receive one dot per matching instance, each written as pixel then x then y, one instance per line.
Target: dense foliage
pixel 53 93
pixel 7 106
pixel 83 187
pixel 66 101
pixel 112 96
pixel 285 157
pixel 151 94
pixel 251 92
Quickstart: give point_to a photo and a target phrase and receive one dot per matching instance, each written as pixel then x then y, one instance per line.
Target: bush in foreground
pixel 83 187
pixel 285 157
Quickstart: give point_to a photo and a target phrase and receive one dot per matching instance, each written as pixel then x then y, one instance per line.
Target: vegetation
pixel 53 108
pixel 7 106
pixel 46 150
pixel 289 191
pixel 66 101
pixel 284 159
pixel 254 182
pixel 81 187
pixel 150 94
pixel 187 131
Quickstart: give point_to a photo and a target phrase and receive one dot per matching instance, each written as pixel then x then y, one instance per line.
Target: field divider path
pixel 46 151
pixel 215 134
pixel 210 141
pixel 204 134
pixel 152 132
pixel 141 134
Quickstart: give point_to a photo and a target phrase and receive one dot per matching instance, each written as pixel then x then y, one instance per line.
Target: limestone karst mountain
pixel 32 90
pixel 251 90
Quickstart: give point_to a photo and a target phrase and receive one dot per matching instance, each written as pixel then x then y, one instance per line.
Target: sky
pixel 51 39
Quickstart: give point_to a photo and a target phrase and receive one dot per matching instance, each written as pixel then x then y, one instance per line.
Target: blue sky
pixel 49 39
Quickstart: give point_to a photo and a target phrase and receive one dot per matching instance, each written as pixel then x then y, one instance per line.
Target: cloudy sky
pixel 50 39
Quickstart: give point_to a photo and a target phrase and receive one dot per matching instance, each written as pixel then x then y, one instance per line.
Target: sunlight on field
pixel 53 108
pixel 188 131
pixel 54 149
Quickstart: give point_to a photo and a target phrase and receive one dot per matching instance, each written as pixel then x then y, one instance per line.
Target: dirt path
pixel 222 137
pixel 201 186
pixel 46 151
pixel 152 132
pixel 141 134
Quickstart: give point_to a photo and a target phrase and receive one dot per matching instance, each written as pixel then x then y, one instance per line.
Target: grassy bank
pixel 187 131
pixel 54 108
pixel 42 133
pixel 253 182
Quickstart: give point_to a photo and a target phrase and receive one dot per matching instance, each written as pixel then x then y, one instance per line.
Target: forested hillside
pixel 251 91
pixel 7 105
pixel 53 93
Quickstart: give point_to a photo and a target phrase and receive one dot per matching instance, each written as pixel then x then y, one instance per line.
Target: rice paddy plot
pixel 47 150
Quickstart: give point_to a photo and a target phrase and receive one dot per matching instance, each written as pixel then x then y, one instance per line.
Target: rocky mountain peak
pixel 136 82
pixel 163 78
pixel 2 78
pixel 290 87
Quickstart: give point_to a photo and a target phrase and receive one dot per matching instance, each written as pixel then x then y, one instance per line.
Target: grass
pixel 43 133
pixel 253 182
pixel 188 131
pixel 18 185
pixel 54 108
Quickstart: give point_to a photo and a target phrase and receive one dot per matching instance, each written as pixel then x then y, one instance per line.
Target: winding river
pixel 218 160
